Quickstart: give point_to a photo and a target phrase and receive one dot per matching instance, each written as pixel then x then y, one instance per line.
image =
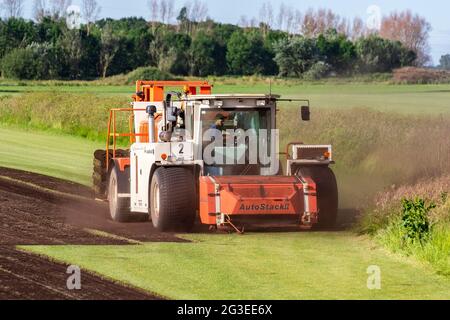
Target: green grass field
pixel 258 266
pixel 61 156
pixel 255 266
pixel 410 99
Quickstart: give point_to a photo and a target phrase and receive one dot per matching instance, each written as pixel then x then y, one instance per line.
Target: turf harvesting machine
pixel 198 157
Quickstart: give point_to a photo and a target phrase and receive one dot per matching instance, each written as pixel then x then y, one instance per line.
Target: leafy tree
pixel 175 53
pixel 196 46
pixel 50 30
pixel 376 54
pixel 223 32
pixel 109 48
pixel 296 56
pixel 134 39
pixel 247 54
pixel 70 43
pixel 90 57
pixel 337 51
pixel 16 33
pixel 207 58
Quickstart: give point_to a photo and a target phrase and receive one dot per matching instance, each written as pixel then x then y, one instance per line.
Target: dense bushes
pixel 35 62
pixel 149 73
pixel 296 56
pixel 248 55
pixel 20 64
pixel 315 57
pixel 112 47
pixel 380 55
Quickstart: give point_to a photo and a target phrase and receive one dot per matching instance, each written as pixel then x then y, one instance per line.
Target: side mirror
pixel 306 113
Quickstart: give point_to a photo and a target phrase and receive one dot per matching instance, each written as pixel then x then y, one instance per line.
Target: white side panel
pixel 142 157
pixel 140 164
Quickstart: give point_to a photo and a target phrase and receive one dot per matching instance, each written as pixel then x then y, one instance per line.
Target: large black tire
pixel 173 199
pixel 100 177
pixel 327 193
pixel 119 208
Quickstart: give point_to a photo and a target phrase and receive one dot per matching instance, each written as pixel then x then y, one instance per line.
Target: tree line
pixel 186 42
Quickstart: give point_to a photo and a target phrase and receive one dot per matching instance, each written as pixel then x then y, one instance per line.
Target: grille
pixel 311 152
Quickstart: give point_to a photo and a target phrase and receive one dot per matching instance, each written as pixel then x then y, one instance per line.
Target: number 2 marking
pixel 181 148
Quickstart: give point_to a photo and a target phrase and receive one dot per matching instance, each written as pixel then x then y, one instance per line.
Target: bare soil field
pixel 25 276
pixel 31 215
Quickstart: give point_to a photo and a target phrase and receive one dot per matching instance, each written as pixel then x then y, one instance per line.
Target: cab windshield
pixel 225 121
pixel 234 119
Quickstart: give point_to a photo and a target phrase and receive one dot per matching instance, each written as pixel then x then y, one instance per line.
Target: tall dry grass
pixel 411 75
pixel 387 204
pixel 384 222
pixel 83 115
pixel 374 150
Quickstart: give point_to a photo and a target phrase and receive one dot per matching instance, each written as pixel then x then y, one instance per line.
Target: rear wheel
pixel 327 193
pixel 172 199
pixel 119 207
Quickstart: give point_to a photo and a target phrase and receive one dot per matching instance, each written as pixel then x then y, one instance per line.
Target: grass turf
pixel 330 265
pixel 60 156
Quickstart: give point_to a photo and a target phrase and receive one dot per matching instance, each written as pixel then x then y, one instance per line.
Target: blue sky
pixel 435 11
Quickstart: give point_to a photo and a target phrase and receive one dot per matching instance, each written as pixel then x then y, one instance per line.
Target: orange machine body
pixel 257 195
pixel 146 91
pixel 154 90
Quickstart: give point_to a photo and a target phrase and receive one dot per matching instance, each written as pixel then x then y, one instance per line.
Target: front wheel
pixel 327 193
pixel 173 199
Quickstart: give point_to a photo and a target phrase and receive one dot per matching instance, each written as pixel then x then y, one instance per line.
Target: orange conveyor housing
pixel 256 196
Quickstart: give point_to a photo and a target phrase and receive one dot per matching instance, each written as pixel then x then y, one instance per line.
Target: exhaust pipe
pixel 151 110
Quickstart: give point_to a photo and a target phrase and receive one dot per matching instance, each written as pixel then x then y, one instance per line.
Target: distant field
pixel 410 99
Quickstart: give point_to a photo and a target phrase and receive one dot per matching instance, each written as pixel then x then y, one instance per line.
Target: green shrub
pixel 20 64
pixel 415 219
pixel 318 71
pixel 376 54
pixel 149 73
pixel 417 229
pixel 35 62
